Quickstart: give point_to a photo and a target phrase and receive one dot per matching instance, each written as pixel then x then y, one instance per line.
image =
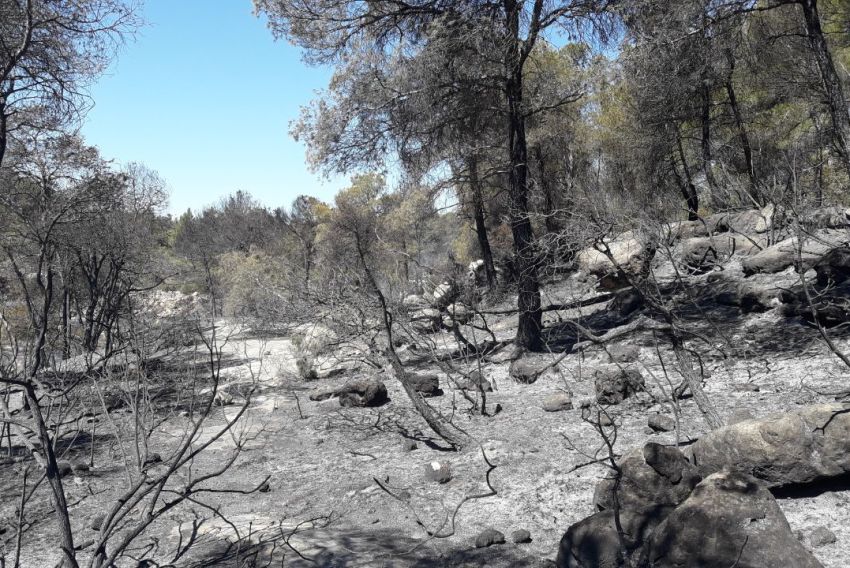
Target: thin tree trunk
pixel 549 220
pixel 480 225
pixel 689 190
pixel 530 327
pixel 705 140
pixel 742 131
pixel 442 427
pixel 831 81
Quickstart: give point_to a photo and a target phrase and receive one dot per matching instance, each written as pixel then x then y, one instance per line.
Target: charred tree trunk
pixel 742 132
pixel 549 220
pixel 705 140
pixel 831 81
pixel 689 190
pixel 480 225
pixel 529 330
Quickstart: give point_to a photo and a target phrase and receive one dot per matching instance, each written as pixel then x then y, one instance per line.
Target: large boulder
pixel 826 218
pixel 789 252
pixel 834 267
pixel 363 393
pixel 615 383
pixel 743 222
pixel 781 449
pixel 594 542
pixel 704 252
pixel 652 476
pixel 728 520
pixel 628 252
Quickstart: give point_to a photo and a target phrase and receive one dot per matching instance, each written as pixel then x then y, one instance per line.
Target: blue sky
pixel 204 96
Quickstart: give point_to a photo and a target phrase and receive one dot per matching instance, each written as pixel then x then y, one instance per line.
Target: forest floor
pixel 325 506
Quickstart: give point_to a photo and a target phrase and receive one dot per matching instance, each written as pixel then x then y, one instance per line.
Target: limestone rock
pixel 489 537
pixel 558 401
pixel 728 520
pixel 661 422
pixel 787 448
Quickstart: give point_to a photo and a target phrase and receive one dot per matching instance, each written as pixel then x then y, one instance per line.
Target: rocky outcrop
pixel 789 448
pixel 728 520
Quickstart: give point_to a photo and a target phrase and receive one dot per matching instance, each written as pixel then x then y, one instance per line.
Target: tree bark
pixel 551 224
pixel 689 191
pixel 480 225
pixel 742 132
pixel 530 326
pixel 705 140
pixel 831 81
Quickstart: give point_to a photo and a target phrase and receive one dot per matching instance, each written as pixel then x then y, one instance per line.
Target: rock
pixel 661 422
pixel 223 398
pixel 750 221
pixel 653 476
pixel 313 338
pixel 525 372
pixel 802 446
pixel 705 252
pixel 784 254
pixel 444 294
pixel 627 251
pixel 826 218
pixel 459 313
pixel 739 415
pixel 614 384
pixel 64 468
pixel 594 542
pixel 821 536
pixel 489 537
pixel 363 393
pixel 408 446
pixel 475 381
pixel 521 536
pixel 624 353
pixel 833 267
pixel 439 472
pixel 97 522
pixel 415 302
pixel 558 401
pixel 728 520
pixel 426 384
pixel 678 230
pixel 427 320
